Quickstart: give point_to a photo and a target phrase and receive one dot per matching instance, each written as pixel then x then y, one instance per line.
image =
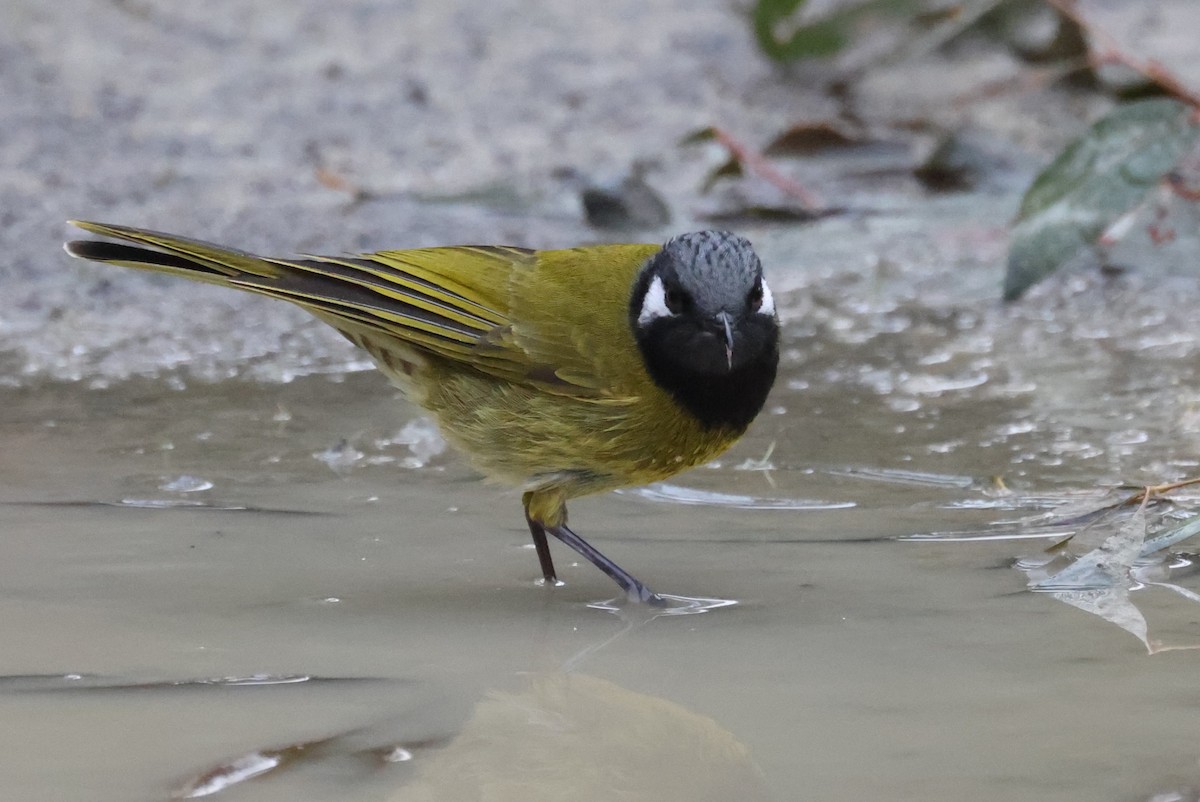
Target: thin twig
pixel 1112 52
pixel 1030 80
pixel 1178 185
pixel 758 164
pixel 1150 491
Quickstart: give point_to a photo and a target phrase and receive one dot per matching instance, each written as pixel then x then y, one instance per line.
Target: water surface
pixel 175 549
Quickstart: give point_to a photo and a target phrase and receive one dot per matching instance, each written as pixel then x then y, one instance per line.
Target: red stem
pixel 1150 68
pixel 758 163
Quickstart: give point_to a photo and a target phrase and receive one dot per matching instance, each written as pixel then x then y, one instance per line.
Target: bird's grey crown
pixel 716 268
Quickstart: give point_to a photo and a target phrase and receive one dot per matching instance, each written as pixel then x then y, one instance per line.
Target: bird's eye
pixel 676 300
pixel 755 299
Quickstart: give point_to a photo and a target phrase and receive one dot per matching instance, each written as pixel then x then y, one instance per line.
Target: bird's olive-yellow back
pixel 554 319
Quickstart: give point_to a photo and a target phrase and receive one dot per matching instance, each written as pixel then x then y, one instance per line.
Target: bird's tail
pixel 421 297
pixel 200 261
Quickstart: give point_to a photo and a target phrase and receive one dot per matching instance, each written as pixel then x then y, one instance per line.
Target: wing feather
pixel 519 315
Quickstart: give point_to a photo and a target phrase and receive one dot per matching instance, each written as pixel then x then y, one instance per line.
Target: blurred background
pixel 287 127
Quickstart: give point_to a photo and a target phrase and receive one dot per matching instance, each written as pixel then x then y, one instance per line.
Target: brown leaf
pixel 806 139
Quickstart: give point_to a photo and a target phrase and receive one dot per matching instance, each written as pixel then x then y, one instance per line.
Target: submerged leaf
pixel 1114 606
pixel 243 769
pixel 1105 566
pixel 1099 581
pixel 1164 540
pixel 1092 183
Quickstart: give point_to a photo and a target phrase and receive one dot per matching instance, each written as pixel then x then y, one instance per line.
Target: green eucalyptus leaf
pixel 732 168
pixel 784 39
pixel 768 17
pixel 707 134
pixel 1097 179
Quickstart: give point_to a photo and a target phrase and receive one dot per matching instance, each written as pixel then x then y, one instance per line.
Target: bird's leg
pixel 546 512
pixel 543 550
pixel 634 589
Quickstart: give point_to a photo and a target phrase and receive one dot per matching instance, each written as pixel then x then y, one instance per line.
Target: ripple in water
pixel 690 496
pixel 672 605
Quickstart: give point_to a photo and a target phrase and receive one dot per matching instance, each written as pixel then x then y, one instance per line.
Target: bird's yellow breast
pixel 537 440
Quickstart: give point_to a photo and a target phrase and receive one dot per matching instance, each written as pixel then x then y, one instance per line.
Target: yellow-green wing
pixel 570 312
pixel 556 319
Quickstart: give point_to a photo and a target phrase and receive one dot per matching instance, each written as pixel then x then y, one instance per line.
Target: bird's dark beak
pixel 724 319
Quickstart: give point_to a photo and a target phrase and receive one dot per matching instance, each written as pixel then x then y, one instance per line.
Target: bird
pixel 563 372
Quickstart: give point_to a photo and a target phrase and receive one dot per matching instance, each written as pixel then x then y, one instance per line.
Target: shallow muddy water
pixel 203 580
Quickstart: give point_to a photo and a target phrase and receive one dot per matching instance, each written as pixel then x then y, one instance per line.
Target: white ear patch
pixel 768 302
pixel 654 305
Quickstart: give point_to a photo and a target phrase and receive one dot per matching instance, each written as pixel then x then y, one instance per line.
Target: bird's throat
pixel 727 400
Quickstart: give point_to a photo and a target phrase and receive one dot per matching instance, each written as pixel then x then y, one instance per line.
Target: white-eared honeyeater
pixel 565 372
